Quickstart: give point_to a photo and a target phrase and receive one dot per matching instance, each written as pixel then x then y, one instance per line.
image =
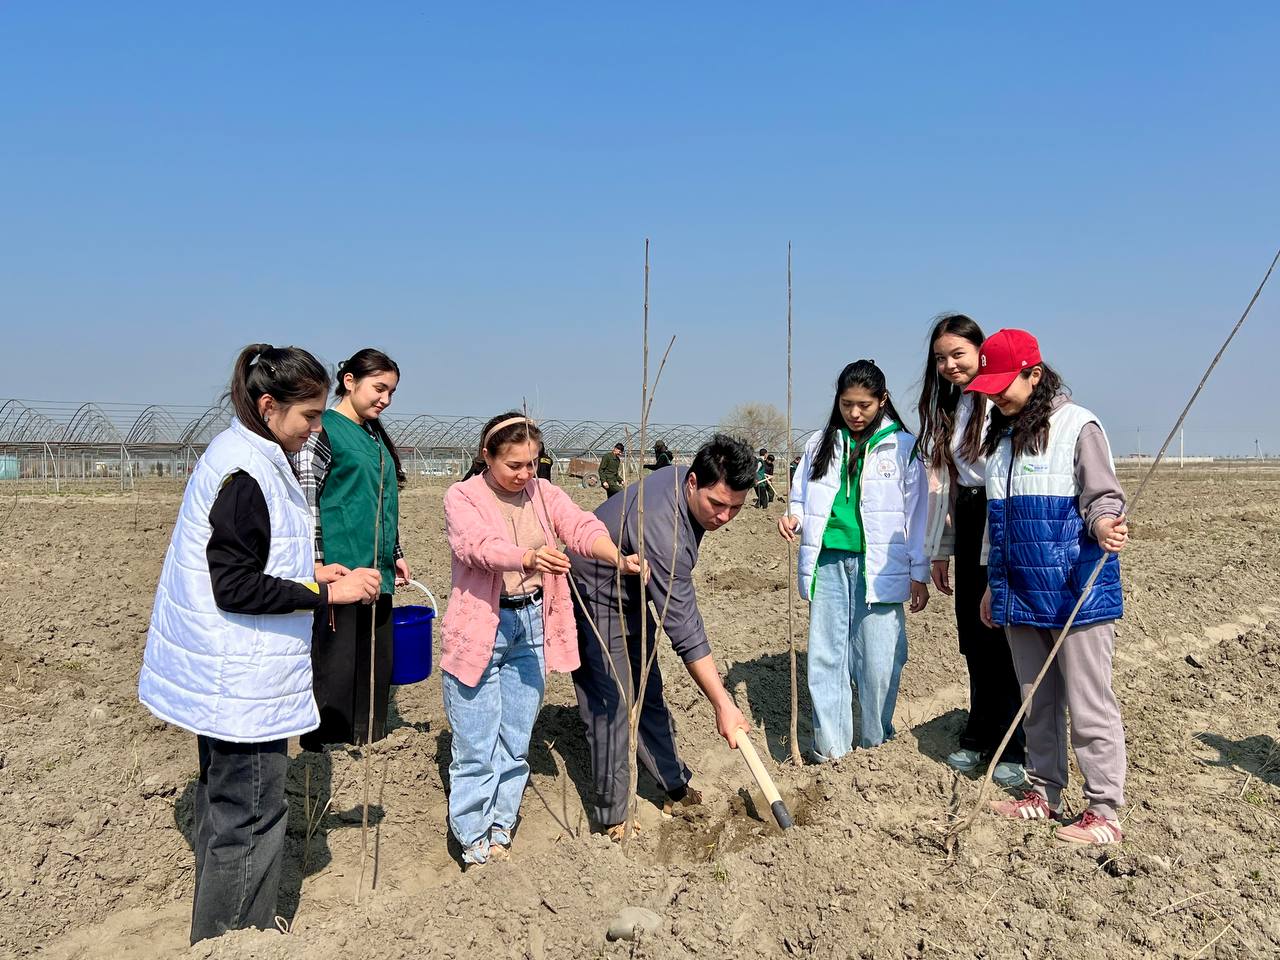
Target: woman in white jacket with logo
pixel 859 502
pixel 228 653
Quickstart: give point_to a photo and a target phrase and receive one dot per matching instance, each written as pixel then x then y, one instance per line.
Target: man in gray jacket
pixel 689 502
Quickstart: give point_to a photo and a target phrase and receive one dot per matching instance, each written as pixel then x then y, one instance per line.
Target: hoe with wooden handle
pixel 764 781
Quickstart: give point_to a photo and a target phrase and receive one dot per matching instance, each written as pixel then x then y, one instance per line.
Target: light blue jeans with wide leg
pixel 852 644
pixel 492 723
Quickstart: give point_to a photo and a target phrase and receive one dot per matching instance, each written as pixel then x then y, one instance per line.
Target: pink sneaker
pixel 1091 828
pixel 1032 806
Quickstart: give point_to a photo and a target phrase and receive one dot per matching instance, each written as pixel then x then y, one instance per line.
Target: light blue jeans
pixel 492 723
pixel 852 644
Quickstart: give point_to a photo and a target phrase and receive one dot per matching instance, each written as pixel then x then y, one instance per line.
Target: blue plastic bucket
pixel 411 640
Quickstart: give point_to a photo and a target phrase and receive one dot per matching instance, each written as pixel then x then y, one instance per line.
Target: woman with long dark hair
pixel 351 473
pixel 1055 511
pixel 859 504
pixel 952 430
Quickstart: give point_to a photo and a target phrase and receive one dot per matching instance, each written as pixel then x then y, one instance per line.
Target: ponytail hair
pixel 366 363
pixel 864 374
pixel 286 374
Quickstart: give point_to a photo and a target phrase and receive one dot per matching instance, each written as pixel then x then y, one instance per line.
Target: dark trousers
pixel 994 693
pixel 340 669
pixel 764 494
pixel 604 712
pixel 240 820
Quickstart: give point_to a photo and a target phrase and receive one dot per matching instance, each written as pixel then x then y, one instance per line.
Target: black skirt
pixel 340 668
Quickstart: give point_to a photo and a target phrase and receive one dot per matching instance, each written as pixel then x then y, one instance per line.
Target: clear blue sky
pixel 469 187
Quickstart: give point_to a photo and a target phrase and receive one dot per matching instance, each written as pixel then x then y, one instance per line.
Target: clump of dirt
pixel 95 858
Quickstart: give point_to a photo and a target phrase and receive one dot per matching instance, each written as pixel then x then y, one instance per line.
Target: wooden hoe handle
pixel 764 781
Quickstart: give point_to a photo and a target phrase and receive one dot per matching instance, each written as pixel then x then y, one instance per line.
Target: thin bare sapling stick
pixel 636 689
pixel 634 701
pixel 373 649
pixel 791 552
pixel 963 824
pixel 647 663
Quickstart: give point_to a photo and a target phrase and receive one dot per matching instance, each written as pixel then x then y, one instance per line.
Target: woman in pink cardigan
pixel 509 621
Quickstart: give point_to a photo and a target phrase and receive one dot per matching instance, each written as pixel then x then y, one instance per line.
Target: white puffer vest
pixel 894 508
pixel 232 676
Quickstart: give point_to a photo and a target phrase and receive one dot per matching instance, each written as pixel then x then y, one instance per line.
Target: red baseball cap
pixel 1004 355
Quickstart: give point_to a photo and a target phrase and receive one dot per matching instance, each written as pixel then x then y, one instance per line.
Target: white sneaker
pixel 964 760
pixel 1009 775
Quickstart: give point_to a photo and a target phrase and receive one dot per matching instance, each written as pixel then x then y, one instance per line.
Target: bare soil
pixel 95 858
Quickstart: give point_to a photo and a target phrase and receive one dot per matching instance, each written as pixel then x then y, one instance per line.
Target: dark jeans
pixel 604 713
pixel 994 692
pixel 240 820
pixel 764 494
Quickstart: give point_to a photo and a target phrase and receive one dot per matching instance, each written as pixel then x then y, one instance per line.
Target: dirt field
pixel 96 795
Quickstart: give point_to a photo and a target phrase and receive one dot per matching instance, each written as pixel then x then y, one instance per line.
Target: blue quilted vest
pixel 1040 554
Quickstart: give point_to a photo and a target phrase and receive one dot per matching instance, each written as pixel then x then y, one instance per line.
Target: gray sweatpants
pixel 1080 682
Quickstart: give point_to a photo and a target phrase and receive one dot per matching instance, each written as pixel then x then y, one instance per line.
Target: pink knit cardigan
pixel 482 550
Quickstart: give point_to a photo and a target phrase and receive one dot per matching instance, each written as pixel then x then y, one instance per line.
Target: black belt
pixel 521 601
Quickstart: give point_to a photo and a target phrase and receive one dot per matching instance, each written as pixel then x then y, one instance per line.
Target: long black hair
pixel 939 399
pixel 286 374
pixel 366 363
pixel 864 374
pixel 1030 425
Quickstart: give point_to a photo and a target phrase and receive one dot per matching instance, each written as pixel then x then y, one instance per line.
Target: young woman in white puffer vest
pixel 228 650
pixel 859 504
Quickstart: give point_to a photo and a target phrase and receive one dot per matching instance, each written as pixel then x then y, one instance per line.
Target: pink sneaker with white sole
pixel 1091 828
pixel 1031 806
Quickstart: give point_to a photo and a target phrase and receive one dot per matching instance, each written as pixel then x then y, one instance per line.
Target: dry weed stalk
pixel 1221 933
pixel 961 825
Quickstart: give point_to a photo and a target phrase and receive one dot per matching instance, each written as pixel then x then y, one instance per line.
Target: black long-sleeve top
pixel 237 555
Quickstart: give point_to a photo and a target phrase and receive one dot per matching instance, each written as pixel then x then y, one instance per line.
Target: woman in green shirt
pixel 351 474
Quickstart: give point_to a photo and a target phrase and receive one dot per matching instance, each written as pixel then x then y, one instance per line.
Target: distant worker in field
pixel 509 622
pixel 1055 508
pixel 228 651
pixel 762 480
pixel 953 426
pixel 662 457
pixel 545 462
pixel 610 471
pixel 351 473
pixel 687 502
pixel 860 503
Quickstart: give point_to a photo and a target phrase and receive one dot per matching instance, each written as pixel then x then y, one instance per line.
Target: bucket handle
pixel 430 596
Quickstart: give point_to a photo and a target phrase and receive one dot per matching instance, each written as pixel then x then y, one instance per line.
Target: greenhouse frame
pixel 50 445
